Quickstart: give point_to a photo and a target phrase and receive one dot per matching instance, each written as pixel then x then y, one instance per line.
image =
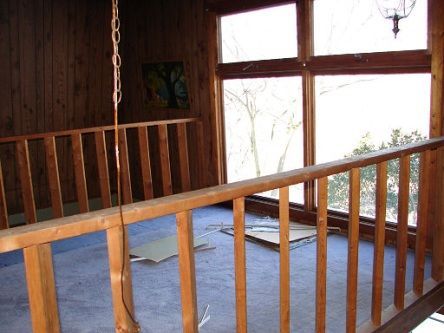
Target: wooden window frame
pixel 307 65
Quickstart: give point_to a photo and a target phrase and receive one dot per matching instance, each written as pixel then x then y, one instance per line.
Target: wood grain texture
pixel 53 177
pixel 438 225
pixel 165 159
pixel 284 259
pixel 41 289
pixel 402 228
pixel 79 172
pixel 125 176
pixel 183 157
pixel 436 37
pixel 145 162
pixel 240 264
pixel 120 279
pixel 321 255
pixel 57 229
pixel 353 248
pixel 378 252
pixel 421 224
pixel 103 170
pixel 185 245
pixel 3 205
pixel 26 181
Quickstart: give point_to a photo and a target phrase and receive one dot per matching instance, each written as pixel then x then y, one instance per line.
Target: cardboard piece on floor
pixel 273 236
pixel 164 248
pixel 299 234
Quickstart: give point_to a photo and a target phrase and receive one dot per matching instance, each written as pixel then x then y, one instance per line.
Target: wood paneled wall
pixel 172 30
pixel 56 74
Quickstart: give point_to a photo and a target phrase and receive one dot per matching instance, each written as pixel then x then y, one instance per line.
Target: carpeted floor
pixel 84 297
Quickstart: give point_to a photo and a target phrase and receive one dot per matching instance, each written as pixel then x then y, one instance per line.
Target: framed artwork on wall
pixel 165 85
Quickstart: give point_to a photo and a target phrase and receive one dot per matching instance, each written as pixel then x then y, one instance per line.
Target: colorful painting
pixel 165 86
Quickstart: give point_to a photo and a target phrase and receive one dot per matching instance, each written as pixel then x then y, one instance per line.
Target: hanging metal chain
pixel 117 97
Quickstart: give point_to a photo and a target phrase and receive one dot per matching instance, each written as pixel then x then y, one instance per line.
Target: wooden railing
pixel 101 178
pixel 34 240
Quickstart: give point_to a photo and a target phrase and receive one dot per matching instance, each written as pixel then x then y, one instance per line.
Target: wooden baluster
pixel 353 249
pixel 118 257
pixel 183 157
pixel 165 160
pixel 185 243
pixel 124 168
pixel 200 137
pixel 79 172
pixel 402 229
pixel 378 255
pixel 438 225
pixel 321 255
pixel 421 224
pixel 41 289
pixel 53 176
pixel 26 181
pixel 239 265
pixel 284 249
pixel 3 206
pixel 102 166
pixel 145 163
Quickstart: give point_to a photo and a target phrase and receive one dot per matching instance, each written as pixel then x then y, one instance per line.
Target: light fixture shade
pixel 395 8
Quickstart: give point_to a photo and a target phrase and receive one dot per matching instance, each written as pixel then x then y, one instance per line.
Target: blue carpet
pixel 84 298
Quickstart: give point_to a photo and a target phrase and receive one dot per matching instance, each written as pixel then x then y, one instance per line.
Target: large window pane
pixel 357 114
pixel 357 26
pixel 261 34
pixel 263 128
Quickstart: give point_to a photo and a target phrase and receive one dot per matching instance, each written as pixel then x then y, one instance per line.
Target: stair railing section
pixel 34 240
pixel 16 158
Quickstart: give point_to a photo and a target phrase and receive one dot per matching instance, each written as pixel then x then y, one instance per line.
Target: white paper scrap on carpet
pixel 164 248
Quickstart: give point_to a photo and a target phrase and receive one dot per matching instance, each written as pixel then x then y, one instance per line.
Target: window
pixel 261 34
pixel 355 104
pixel 351 94
pixel 263 128
pixel 357 26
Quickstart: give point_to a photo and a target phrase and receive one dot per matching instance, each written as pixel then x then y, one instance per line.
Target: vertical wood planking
pixel 378 255
pixel 145 163
pixel 165 160
pixel 200 138
pixel 26 181
pixel 79 172
pixel 102 166
pixel 41 288
pixel 402 228
pixel 118 256
pixel 183 157
pixel 438 227
pixel 53 176
pixel 284 249
pixel 124 168
pixel 421 224
pixel 185 244
pixel 353 249
pixel 4 224
pixel 240 264
pixel 321 255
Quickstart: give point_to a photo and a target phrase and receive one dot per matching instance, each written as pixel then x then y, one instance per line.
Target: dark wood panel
pixel 56 75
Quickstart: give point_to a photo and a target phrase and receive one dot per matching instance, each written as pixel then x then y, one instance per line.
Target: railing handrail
pixel 90 130
pixel 76 225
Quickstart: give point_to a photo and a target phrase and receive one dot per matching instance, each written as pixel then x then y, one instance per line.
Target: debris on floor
pixel 165 248
pixel 266 232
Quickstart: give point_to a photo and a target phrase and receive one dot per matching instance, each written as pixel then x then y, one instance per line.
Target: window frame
pixel 308 66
